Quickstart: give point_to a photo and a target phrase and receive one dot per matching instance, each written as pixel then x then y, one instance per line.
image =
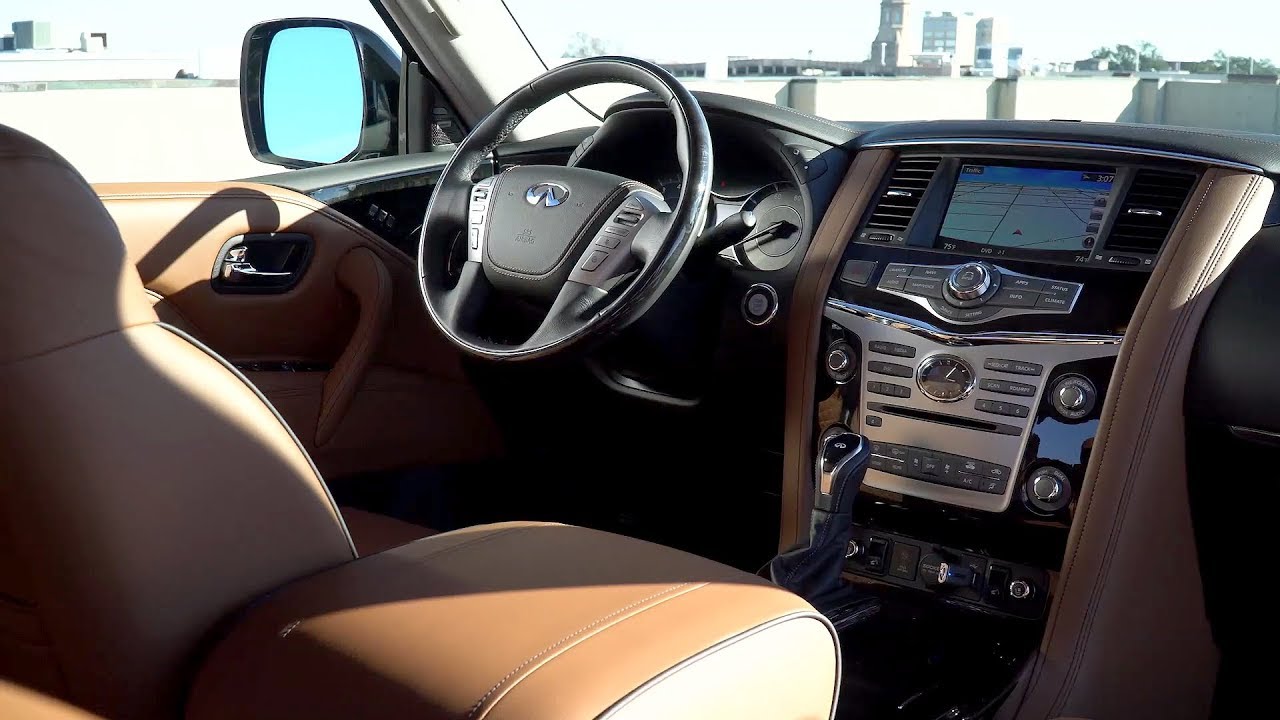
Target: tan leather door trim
pixel 361 273
pixel 805 323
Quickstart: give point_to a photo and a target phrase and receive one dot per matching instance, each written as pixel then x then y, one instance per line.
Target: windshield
pixel 1188 63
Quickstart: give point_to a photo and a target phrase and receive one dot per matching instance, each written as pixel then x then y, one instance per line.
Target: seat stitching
pixel 497 686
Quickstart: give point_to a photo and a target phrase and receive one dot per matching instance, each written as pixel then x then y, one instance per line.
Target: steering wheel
pixel 596 249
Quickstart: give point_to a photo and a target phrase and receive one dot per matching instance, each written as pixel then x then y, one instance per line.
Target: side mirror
pixel 317 91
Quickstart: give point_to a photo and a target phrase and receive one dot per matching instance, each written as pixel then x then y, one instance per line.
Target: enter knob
pixel 970 284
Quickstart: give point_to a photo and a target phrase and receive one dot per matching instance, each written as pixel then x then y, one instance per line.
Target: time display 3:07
pixel 1096 177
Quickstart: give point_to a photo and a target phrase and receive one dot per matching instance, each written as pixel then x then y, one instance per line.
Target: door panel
pixel 354 319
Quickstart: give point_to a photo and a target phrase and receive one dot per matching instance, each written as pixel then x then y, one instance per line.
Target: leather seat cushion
pixel 526 621
pixel 373 533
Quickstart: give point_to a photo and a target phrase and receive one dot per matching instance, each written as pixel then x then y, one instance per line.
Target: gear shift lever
pixel 812 570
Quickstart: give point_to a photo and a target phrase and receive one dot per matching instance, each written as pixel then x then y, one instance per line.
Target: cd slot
pixel 943 419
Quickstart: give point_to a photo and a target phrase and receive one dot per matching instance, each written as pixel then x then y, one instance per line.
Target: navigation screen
pixel 1027 208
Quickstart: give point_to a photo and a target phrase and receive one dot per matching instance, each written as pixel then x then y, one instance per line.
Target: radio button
pixel 1016 367
pixel 893 369
pixel 1014 298
pixel 1016 282
pixel 1006 387
pixel 888 348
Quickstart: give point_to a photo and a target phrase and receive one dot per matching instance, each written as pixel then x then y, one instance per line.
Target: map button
pixel 926 271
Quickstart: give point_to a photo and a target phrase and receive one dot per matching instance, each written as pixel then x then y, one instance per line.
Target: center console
pixel 969 335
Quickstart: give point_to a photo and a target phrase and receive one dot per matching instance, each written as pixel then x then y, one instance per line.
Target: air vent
pixel 898 204
pixel 1149 211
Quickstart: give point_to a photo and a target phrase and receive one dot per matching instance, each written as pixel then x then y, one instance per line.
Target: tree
pixel 582 45
pixel 1149 58
pixel 1121 57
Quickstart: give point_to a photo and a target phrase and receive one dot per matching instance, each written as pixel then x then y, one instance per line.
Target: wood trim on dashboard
pixel 805 326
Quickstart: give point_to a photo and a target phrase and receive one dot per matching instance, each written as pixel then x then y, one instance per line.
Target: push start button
pixel 760 304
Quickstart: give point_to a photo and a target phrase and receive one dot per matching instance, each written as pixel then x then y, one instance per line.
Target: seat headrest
pixel 64 273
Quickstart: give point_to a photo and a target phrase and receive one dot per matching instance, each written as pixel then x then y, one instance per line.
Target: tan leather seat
pixel 154 507
pixel 374 533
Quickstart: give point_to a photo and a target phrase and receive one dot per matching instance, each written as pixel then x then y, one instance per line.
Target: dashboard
pixel 979 297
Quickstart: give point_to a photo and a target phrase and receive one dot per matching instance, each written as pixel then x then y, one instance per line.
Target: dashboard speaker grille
pixel 1150 208
pixel 910 178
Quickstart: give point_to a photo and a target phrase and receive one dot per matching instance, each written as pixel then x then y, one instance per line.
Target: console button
pixel 884 368
pixel 931 466
pixel 897 452
pixel 956 314
pixel 608 240
pixel 1016 282
pixel 915 462
pixel 878 463
pixel 898 269
pixel 997 582
pixel 874 421
pixel 858 272
pixel 889 465
pixel 1015 367
pixel 888 348
pixel 968 482
pixel 1064 288
pixel 991 471
pixel 874 559
pixel 923 287
pixel 892 282
pixel 1054 301
pixel 994 487
pixel 594 260
pixel 883 388
pixel 998 407
pixel 925 271
pixel 971 466
pixel 1007 387
pixel 903 560
pixel 1015 298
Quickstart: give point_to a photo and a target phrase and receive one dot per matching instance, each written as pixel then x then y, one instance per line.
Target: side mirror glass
pixel 312 95
pixel 316 91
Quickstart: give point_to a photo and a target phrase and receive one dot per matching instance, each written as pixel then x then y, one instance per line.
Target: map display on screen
pixel 1028 208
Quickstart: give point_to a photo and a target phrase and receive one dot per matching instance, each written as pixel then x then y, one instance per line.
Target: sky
pixel 698 29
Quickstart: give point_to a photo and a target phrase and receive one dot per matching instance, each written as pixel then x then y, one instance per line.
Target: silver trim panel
pixel 1048 350
pixel 1069 145
pixel 1001 312
pixel 955 339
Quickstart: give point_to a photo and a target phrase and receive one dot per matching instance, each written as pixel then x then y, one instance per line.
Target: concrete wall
pixel 1230 106
pixel 191 130
pixel 132 134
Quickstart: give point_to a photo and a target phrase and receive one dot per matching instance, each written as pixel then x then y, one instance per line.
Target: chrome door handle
pixel 243 273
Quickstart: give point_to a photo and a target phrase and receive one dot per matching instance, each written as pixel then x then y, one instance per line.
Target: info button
pixel 1014 298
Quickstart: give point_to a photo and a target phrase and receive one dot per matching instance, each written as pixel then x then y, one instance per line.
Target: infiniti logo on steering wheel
pixel 548 194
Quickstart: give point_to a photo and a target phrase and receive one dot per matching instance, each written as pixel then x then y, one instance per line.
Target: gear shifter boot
pixel 812 569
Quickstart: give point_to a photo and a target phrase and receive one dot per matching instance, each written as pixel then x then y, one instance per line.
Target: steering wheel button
pixel 477 218
pixel 594 260
pixel 627 218
pixel 608 240
pixel 475 238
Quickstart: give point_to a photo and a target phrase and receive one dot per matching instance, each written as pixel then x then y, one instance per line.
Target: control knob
pixel 1022 589
pixel 1073 396
pixel 1047 491
pixel 971 284
pixel 840 362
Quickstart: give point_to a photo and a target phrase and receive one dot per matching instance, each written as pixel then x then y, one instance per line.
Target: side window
pixel 149 90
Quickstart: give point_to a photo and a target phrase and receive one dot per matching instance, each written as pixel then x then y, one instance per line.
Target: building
pixel 955 35
pixel 32 35
pixel 896 39
pixel 991 31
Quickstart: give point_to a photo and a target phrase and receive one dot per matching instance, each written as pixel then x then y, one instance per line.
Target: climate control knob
pixel 971 284
pixel 1047 490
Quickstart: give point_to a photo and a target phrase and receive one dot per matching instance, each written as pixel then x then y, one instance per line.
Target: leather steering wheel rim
pixel 511 236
